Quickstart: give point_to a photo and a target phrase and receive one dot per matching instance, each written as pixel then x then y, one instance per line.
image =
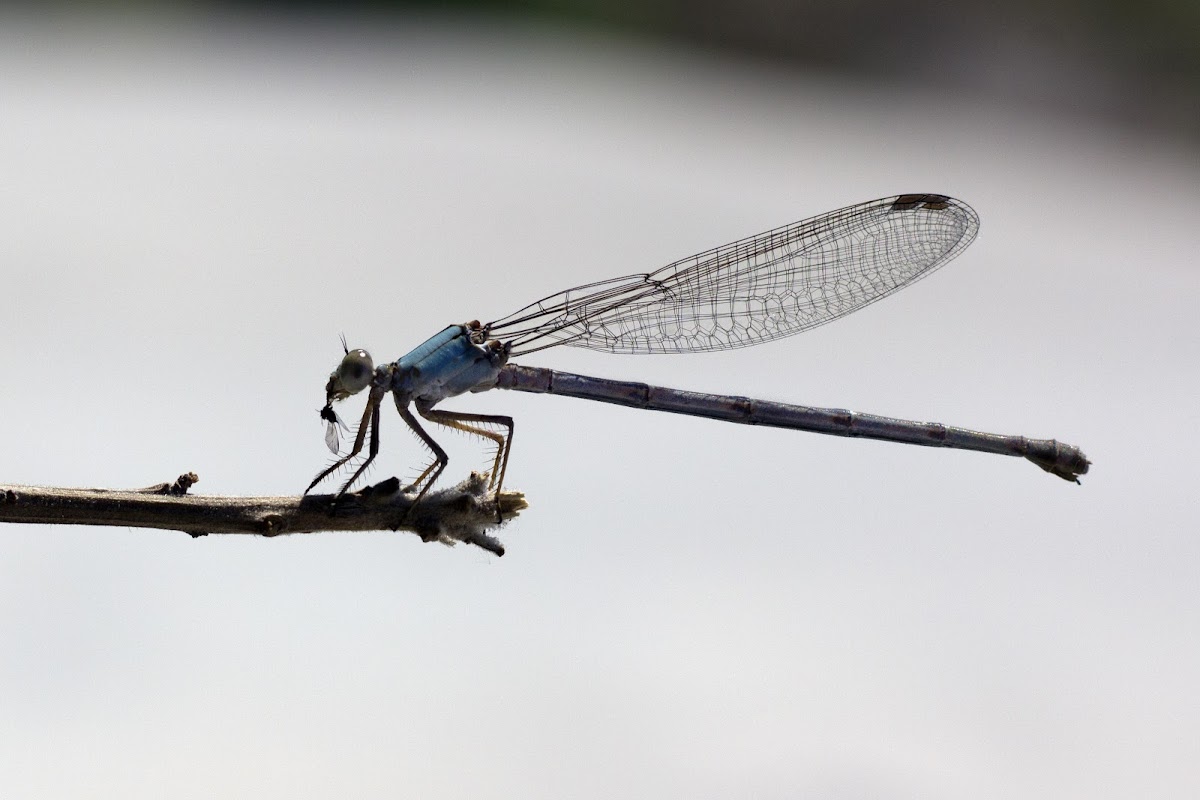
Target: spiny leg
pixel 370 415
pixel 456 420
pixel 439 455
pixel 371 452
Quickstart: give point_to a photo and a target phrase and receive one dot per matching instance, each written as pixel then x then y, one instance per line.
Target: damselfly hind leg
pixel 503 441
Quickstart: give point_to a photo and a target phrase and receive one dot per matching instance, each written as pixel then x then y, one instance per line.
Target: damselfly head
pixel 351 377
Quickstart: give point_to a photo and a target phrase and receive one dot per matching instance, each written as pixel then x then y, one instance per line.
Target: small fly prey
pixel 752 291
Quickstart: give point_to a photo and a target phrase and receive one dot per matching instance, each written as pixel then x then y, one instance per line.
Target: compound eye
pixel 355 371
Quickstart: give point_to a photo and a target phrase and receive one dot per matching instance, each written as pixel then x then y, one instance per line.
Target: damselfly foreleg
pixel 369 423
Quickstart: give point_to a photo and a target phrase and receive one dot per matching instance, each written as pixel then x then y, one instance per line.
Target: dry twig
pixel 463 513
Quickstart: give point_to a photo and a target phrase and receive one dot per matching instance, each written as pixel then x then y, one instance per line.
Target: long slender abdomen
pixel 1064 460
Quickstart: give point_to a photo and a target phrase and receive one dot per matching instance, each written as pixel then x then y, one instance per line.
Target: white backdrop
pixel 189 219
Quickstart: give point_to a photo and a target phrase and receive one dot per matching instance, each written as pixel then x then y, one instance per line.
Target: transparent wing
pixel 332 423
pixel 757 289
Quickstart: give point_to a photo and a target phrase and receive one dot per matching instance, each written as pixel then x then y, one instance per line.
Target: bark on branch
pixel 463 513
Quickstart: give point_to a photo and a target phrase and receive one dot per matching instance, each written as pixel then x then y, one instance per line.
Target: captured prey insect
pixel 752 291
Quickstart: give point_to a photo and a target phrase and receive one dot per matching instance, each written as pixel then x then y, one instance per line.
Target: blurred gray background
pixel 195 202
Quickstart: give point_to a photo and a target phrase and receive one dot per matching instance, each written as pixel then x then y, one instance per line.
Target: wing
pixel 754 290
